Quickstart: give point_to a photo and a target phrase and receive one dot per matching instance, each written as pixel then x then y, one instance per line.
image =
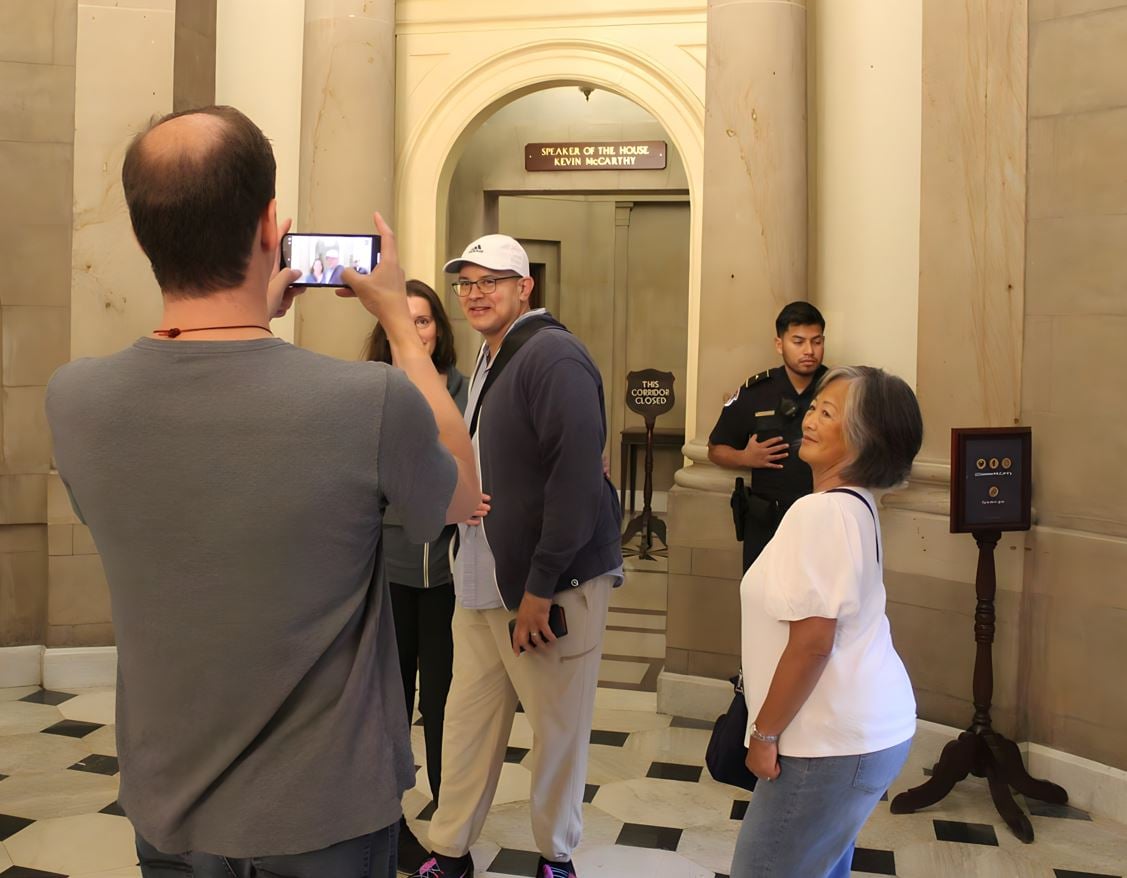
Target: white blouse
pixel 823 561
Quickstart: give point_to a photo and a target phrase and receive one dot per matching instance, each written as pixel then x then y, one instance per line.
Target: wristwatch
pixel 758 736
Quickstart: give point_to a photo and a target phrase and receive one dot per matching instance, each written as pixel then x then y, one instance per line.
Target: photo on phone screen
pixel 322 258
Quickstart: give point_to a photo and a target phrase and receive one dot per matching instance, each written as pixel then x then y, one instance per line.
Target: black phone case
pixel 557 622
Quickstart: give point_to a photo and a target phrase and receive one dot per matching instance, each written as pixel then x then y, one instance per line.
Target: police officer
pixel 760 428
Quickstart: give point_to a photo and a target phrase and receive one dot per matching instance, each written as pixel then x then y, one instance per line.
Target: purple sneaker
pixel 555 869
pixel 448 868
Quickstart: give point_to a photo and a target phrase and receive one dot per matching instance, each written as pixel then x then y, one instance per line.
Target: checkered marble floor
pixel 651 810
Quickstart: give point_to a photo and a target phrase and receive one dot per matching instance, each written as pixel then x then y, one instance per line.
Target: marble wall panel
pixel 37 177
pixel 972 217
pixel 1079 625
pixel 114 296
pixel 27 440
pixel 1040 10
pixel 35 344
pixel 347 145
pixel 92 634
pixel 23 498
pixel 1076 265
pixel 27 31
pixel 704 614
pixel 23 591
pixel 1075 166
pixel 194 61
pixel 77 592
pixel 45 248
pixel 1076 64
pixel 37 102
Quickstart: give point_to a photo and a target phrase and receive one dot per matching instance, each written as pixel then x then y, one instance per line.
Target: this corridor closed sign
pixel 630 155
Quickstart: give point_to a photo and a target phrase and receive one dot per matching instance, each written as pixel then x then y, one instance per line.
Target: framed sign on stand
pixel 649 393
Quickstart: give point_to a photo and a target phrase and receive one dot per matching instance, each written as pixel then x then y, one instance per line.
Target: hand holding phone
pixel 322 258
pixel 557 626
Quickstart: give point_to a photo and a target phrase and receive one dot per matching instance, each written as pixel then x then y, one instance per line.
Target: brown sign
pixel 991 479
pixel 649 392
pixel 629 155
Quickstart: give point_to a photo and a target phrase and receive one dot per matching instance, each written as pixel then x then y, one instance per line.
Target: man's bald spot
pixel 185 140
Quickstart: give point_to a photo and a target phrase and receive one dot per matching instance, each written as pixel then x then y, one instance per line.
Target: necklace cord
pixel 176 331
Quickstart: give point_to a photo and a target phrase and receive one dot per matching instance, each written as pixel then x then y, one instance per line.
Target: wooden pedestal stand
pixel 645 523
pixel 649 393
pixel 980 750
pixel 990 493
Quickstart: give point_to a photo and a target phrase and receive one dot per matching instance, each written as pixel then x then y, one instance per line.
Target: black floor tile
pixel 884 796
pixel 72 728
pixel 967 833
pixel 1068 873
pixel 3 777
pixel 106 765
pixel 675 771
pixel 9 825
pixel 515 754
pixel 739 808
pixel 1044 809
pixel 874 862
pixel 113 808
pixel 610 739
pixel 428 811
pixel 928 772
pixel 510 862
pixel 589 791
pixel 46 696
pixel 688 722
pixel 520 707
pixel 639 835
pixel 418 722
pixel 24 872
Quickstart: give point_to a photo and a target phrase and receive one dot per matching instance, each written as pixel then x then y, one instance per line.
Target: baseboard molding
pixel 21 666
pixel 84 667
pixel 1092 786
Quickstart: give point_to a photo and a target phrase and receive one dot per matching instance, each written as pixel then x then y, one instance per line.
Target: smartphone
pixel 557 623
pixel 322 258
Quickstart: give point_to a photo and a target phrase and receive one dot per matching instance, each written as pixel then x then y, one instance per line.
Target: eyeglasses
pixel 463 286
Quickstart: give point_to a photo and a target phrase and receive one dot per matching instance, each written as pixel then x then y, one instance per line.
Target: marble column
pixel 753 262
pixel 347 148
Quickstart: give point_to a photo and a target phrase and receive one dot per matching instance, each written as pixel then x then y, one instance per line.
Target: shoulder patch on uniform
pixel 758 378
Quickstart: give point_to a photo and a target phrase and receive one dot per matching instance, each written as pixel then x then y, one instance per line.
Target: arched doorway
pixel 433 133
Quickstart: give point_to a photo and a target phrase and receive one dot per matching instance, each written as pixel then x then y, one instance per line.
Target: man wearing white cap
pixel 333 268
pixel 540 557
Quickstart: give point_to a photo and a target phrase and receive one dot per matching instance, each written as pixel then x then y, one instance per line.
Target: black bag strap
pixel 513 342
pixel 860 497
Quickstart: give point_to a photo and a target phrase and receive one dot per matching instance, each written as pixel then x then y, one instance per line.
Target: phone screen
pixel 322 258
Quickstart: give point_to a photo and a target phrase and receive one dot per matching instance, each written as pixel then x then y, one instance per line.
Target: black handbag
pixel 726 756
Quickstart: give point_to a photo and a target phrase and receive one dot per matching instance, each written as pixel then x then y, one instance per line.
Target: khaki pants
pixel 556 687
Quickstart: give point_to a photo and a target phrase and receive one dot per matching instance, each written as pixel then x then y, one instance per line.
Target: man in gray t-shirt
pixel 234 486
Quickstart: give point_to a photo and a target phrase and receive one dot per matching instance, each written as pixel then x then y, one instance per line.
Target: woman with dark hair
pixel 422 587
pixel 316 272
pixel 832 708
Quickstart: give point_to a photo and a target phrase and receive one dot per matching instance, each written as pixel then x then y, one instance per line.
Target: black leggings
pixel 423 619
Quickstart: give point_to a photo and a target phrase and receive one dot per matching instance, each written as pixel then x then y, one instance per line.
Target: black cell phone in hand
pixel 557 623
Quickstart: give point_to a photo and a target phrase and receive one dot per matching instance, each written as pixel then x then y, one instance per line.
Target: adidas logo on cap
pixel 476 248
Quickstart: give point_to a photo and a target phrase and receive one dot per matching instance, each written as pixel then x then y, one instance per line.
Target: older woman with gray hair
pixel 832 706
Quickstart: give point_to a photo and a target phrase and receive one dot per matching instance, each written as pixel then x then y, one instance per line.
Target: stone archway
pixel 429 152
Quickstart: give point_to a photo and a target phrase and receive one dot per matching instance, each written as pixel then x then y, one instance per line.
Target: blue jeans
pixel 368 856
pixel 804 823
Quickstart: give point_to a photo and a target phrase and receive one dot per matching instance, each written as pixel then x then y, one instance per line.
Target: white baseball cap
pixel 495 252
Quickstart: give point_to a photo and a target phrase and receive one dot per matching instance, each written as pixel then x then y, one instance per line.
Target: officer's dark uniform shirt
pixel 765 407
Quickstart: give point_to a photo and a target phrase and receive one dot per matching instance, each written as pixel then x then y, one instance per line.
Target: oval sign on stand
pixel 649 392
